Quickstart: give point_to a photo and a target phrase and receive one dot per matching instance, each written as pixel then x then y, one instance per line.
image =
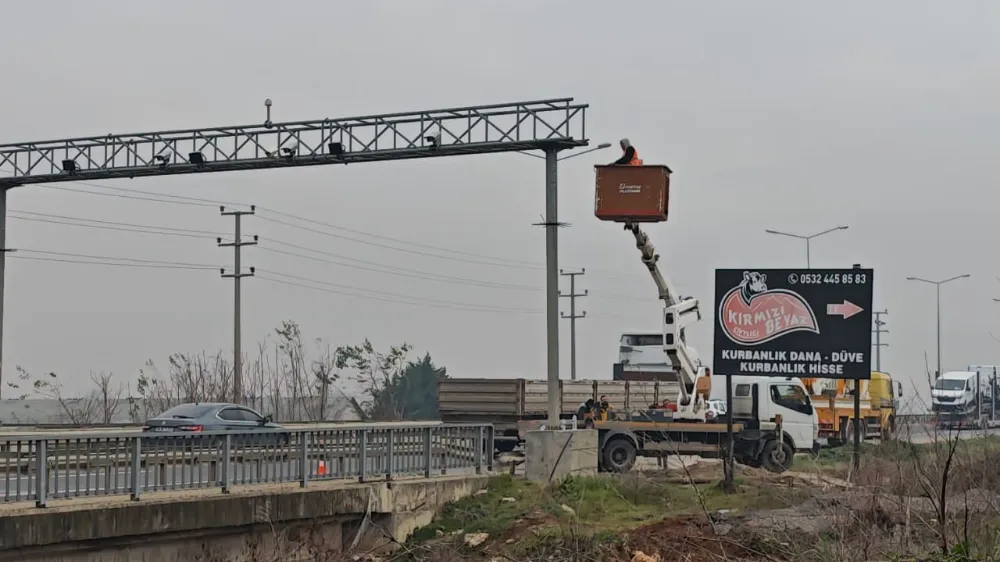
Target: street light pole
pixel 937 285
pixel 808 238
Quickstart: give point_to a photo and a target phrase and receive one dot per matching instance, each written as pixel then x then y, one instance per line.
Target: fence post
pixel 479 450
pixel 362 454
pixel 41 472
pixel 390 457
pixel 304 458
pixel 490 447
pixel 136 467
pixel 227 466
pixel 428 450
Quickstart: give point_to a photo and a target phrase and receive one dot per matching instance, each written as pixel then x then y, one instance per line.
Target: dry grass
pixel 937 502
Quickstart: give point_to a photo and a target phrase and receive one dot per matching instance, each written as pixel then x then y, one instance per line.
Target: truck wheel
pixel 889 431
pixel 845 436
pixel 849 432
pixel 777 457
pixel 504 445
pixel 618 455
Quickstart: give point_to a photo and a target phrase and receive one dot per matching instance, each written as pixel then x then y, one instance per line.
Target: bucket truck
pixel 682 364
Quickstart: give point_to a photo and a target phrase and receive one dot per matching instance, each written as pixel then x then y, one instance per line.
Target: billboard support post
pixel 728 484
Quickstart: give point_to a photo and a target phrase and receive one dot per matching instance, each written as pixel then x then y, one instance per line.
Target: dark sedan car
pixel 215 416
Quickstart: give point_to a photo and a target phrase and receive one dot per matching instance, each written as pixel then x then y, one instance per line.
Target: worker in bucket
pixel 629 155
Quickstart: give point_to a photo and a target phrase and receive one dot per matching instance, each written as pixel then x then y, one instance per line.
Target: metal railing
pixel 66 466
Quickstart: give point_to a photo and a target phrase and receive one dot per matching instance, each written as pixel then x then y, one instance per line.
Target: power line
pixel 117 229
pixel 201 202
pixel 476 257
pixel 208 202
pixel 392 270
pixel 395 295
pixel 201 234
pixel 89 259
pixel 415 301
pixel 122 196
pixel 382 299
pixel 113 258
pixel 388 247
pixel 83 262
pixel 375 267
pixel 118 223
pixel 534 265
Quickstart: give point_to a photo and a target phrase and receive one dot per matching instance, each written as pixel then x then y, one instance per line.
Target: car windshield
pixel 186 412
pixel 949 384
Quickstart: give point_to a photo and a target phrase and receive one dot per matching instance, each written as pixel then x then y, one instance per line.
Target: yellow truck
pixel 834 403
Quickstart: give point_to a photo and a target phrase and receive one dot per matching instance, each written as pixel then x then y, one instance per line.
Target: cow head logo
pixel 751 314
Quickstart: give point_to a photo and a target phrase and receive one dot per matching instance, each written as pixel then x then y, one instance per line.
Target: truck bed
pixel 528 399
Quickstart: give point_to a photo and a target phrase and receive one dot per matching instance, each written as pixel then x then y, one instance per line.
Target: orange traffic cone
pixel 321 468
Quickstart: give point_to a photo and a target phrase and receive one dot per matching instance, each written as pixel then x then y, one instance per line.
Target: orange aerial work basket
pixel 632 193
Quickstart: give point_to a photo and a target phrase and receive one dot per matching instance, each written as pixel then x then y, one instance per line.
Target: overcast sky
pixel 783 115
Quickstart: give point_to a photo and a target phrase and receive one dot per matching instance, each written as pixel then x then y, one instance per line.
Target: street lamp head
pixel 604 145
pixel 911 278
pixel 844 227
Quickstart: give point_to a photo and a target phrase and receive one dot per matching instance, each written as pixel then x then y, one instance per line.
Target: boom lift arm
pixel 677 314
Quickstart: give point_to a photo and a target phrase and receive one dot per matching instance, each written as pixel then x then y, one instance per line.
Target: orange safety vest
pixel 635 161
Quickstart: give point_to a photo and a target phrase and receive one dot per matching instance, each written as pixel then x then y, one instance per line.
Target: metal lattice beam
pixel 545 124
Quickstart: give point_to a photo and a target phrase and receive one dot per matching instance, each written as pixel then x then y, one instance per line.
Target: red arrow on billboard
pixel 847 309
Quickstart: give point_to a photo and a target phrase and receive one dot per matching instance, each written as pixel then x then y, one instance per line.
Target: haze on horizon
pixel 788 116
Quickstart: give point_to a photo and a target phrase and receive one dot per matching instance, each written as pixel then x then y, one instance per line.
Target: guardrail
pixel 64 466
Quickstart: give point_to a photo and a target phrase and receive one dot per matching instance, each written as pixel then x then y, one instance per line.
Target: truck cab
pixel 759 400
pixel 953 391
pixel 955 398
pixel 642 348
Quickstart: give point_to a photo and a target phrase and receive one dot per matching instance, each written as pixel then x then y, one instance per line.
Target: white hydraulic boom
pixel 677 314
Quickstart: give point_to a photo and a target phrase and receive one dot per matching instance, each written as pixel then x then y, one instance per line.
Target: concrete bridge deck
pixel 284 519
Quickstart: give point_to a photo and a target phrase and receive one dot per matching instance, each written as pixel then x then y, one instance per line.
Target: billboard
pixel 807 323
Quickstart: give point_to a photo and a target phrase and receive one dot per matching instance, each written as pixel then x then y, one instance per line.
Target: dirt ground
pixel 938 502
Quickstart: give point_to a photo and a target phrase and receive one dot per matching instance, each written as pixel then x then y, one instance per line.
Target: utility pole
pixel 552 225
pixel 3 268
pixel 236 276
pixel 878 331
pixel 573 316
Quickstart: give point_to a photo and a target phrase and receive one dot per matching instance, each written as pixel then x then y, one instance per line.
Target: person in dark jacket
pixel 629 155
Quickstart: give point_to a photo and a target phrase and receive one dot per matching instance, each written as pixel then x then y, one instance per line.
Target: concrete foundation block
pixel 551 456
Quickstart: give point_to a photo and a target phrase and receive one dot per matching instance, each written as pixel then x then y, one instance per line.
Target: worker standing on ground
pixel 629 155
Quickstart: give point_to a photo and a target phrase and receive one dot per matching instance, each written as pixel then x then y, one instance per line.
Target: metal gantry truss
pixel 552 124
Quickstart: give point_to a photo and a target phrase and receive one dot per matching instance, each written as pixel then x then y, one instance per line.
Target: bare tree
pixel 377 373
pixel 108 394
pixel 79 411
